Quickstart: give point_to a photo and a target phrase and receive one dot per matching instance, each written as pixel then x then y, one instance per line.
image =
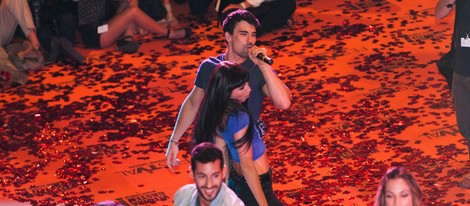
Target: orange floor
pixel 366 96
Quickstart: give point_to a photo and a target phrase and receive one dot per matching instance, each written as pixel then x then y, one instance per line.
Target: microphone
pixel 264 58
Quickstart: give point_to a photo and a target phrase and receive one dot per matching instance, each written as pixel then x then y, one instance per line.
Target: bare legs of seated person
pixel 133 15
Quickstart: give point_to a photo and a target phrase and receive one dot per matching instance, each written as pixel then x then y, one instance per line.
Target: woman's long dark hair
pixel 217 104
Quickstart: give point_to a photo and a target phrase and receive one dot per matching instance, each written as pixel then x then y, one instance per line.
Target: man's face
pixel 242 39
pixel 208 178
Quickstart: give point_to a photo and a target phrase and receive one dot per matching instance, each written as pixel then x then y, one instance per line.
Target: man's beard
pixel 246 51
pixel 201 194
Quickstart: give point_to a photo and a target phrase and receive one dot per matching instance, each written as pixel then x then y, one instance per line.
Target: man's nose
pixel 251 38
pixel 209 183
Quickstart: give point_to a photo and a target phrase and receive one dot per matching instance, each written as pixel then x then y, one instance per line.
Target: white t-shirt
pixel 188 195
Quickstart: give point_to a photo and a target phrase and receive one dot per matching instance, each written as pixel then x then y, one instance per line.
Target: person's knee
pixel 132 10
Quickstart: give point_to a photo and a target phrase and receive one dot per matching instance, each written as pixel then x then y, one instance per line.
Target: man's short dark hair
pixel 235 16
pixel 204 153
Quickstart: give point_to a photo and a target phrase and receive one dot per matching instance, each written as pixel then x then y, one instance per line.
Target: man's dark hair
pixel 237 16
pixel 204 153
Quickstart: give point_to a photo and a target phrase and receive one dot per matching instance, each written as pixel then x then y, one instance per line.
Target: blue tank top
pixel 237 121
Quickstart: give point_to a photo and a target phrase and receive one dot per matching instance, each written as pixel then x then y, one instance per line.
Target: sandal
pixel 465 183
pixel 126 45
pixel 187 33
pixel 173 23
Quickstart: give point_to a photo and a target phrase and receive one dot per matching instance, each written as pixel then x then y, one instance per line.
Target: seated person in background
pixel 170 17
pixel 57 29
pixel 160 11
pixel 398 187
pixel 208 171
pixel 98 33
pixel 12 14
pixel 272 14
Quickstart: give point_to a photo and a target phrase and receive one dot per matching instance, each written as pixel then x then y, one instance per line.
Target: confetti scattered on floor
pixel 366 96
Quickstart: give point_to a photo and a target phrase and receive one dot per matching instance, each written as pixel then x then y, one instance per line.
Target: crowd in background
pixel 53 28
